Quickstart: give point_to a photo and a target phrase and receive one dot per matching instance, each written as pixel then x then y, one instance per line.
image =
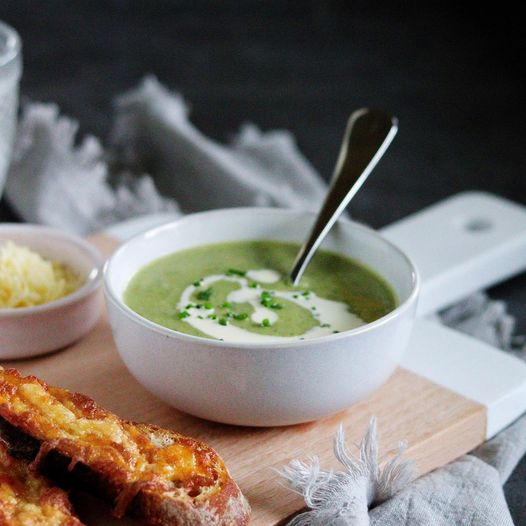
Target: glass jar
pixel 10 72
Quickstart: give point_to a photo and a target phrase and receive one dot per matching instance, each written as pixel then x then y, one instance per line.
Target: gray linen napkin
pixel 469 490
pixel 465 492
pixel 154 145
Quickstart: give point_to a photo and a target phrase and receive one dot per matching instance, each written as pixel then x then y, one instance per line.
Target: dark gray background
pixel 452 76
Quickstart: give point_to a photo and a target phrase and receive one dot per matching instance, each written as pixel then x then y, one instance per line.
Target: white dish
pixel 260 384
pixel 30 331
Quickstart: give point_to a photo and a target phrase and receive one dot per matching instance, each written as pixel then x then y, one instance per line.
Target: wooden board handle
pixel 473 369
pixel 462 244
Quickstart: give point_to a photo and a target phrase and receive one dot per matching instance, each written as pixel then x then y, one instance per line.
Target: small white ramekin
pixel 30 331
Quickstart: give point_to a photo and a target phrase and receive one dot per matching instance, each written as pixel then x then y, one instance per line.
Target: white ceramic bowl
pixel 30 331
pixel 260 384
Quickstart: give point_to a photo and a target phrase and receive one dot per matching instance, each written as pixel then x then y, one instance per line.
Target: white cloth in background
pixel 152 132
pixel 54 181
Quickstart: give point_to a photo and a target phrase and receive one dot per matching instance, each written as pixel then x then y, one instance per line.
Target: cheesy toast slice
pixel 156 475
pixel 28 499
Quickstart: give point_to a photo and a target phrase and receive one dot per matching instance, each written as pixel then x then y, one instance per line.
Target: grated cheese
pixel 27 279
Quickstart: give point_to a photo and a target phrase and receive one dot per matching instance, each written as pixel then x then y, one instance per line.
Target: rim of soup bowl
pixel 93 276
pixel 112 296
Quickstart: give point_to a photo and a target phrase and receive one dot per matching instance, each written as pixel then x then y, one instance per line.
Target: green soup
pixel 239 291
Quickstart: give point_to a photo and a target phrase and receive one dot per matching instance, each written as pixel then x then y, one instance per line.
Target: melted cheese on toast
pixel 129 454
pixel 27 499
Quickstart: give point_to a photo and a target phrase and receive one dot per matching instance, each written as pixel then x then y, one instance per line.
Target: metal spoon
pixel 367 136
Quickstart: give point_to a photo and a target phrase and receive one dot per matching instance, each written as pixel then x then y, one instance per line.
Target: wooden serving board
pixel 438 424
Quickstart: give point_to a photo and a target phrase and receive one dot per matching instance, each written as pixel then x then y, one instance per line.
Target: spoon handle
pixel 367 136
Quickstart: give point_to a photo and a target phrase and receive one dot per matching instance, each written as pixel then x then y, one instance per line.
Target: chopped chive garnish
pixel 266 322
pixel 189 306
pixel 253 285
pixel 227 305
pixel 197 282
pixel 335 332
pixel 313 308
pixel 242 316
pixel 295 296
pixel 200 317
pixel 223 321
pixel 266 299
pixel 205 294
pixel 183 314
pixel 235 272
pixel 324 325
pixel 208 306
pixel 276 306
pixel 305 293
pixel 211 316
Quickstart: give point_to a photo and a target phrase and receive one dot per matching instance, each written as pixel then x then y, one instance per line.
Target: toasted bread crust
pixel 27 499
pixel 141 470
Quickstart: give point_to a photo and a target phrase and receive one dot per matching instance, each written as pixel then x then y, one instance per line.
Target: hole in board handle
pixel 478 224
